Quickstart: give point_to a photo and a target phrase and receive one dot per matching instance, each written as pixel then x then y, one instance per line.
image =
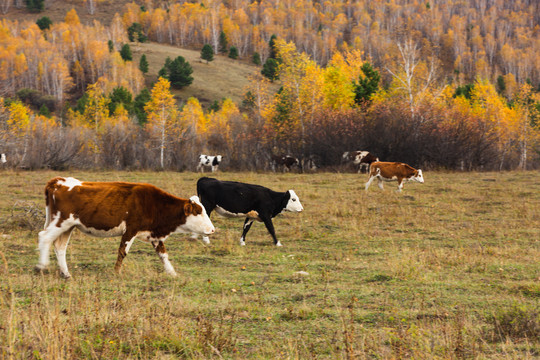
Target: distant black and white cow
pixel 209 161
pixel 361 158
pixel 253 202
pixel 389 171
pixel 286 162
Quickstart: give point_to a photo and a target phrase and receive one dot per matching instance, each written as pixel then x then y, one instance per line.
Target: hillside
pixel 221 78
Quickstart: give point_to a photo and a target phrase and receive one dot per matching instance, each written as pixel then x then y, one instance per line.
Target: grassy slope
pixel 390 276
pixel 221 78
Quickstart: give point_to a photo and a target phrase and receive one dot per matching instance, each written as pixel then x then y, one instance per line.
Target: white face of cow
pixel 419 177
pixel 199 224
pixel 218 158
pixel 294 204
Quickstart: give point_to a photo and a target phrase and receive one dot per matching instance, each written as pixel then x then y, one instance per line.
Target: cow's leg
pixel 270 227
pixel 400 185
pixel 162 252
pixel 46 238
pixel 125 245
pixel 60 246
pixel 380 183
pixel 247 226
pixel 370 180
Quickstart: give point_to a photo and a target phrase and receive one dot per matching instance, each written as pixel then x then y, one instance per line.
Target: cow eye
pixel 293 199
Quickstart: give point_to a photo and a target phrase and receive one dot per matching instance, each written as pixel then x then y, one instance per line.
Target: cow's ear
pixel 188 207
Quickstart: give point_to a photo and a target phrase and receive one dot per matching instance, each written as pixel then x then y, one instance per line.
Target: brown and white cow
pixel 286 162
pixel 361 158
pixel 108 209
pixel 388 171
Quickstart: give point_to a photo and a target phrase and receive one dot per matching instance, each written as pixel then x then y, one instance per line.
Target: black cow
pixel 253 202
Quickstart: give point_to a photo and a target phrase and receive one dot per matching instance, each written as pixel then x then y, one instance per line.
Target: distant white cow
pixel 3 159
pixel 209 161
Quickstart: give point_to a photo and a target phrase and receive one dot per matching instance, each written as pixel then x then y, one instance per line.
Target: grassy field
pixel 219 79
pixel 446 270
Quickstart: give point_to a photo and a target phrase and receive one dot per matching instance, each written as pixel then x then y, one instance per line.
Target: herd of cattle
pixel 143 211
pixel 382 171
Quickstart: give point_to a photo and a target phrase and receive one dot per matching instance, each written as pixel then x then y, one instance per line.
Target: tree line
pixel 405 111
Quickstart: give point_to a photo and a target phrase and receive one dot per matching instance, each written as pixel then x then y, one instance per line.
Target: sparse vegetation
pixel 446 270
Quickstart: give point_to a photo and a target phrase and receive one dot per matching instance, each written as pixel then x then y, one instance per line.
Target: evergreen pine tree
pixel 223 44
pixel 44 110
pixel 270 69
pixel 271 45
pixel 180 73
pixel 501 84
pixel 139 103
pixel 110 44
pixel 35 5
pixel 233 52
pixel 256 58
pixel 366 86
pixel 207 53
pixel 143 64
pixel 120 95
pixel 44 23
pixel 125 53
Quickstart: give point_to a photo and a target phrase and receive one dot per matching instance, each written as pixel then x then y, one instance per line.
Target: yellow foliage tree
pixel 162 114
pixel 493 108
pixel 192 117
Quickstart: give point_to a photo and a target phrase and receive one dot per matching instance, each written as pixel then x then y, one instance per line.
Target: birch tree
pixel 161 115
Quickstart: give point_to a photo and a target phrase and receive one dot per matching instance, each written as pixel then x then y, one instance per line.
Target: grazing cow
pixel 209 161
pixel 253 202
pixel 388 171
pixel 109 209
pixel 3 159
pixel 310 163
pixel 284 161
pixel 361 158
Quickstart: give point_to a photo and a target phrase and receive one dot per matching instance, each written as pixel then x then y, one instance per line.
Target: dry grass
pixel 219 79
pixel 446 270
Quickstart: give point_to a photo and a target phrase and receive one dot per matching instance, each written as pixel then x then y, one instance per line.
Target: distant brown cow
pixel 284 161
pixel 388 171
pixel 108 209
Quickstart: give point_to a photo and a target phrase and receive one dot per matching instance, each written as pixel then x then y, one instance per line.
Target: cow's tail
pixel 49 199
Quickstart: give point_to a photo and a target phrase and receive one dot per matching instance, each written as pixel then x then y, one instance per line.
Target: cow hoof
pixel 41 269
pixel 279 244
pixel 206 240
pixel 65 276
pixel 242 243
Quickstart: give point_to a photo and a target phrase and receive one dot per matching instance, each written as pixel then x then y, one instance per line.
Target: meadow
pixel 448 269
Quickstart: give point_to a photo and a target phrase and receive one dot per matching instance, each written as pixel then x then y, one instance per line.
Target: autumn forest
pixel 441 84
